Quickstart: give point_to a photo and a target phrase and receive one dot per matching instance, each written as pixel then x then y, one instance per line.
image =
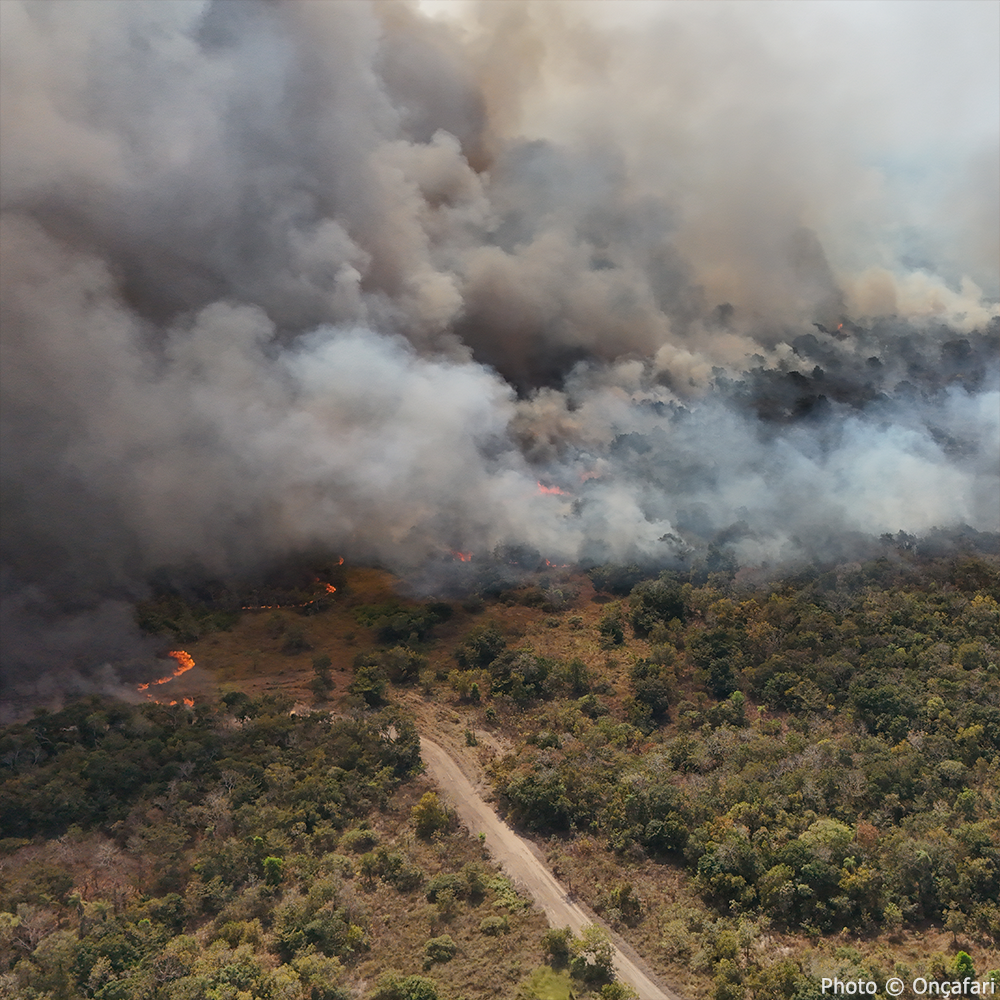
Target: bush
pixel 558 945
pixel 393 986
pixel 618 991
pixel 429 816
pixel 402 626
pixel 480 647
pixel 493 926
pixel 615 578
pixel 439 949
pixel 610 627
pixel 273 870
pixel 358 841
pixel 369 680
pixel 407 878
pixel 402 665
pixel 593 956
pixel 295 641
pixel 655 602
pixel 653 684
pixel 445 882
pixel 591 707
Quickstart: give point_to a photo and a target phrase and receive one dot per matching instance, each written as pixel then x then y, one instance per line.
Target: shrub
pixel 655 602
pixel 591 707
pixel 369 680
pixel 429 815
pixel 480 647
pixel 407 878
pixel 615 578
pixel 402 665
pixel 273 870
pixel 654 686
pixel 295 641
pixel 617 991
pixel 358 841
pixel 445 882
pixel 439 949
pixel 610 627
pixel 393 986
pixel 593 956
pixel 493 926
pixel 557 943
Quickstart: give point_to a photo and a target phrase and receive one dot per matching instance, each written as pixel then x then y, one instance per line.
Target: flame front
pixel 184 659
pixel 331 589
pixel 185 662
pixel 462 556
pixel 553 490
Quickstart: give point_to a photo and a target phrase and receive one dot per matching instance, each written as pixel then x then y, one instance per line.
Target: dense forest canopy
pixel 813 757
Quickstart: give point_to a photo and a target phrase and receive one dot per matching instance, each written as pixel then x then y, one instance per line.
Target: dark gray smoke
pixel 290 274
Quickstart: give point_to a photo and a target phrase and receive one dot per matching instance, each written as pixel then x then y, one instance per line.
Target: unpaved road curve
pixel 514 855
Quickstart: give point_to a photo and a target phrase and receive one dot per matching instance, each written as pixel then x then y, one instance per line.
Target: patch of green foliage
pixel 398 625
pixel 845 728
pixel 240 806
pixel 186 621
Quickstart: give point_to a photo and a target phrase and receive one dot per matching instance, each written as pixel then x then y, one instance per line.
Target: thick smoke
pixel 606 281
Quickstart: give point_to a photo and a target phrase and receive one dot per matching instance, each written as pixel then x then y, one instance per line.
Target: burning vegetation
pixel 457 278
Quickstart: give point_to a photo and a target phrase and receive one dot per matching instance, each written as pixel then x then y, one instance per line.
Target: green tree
pixel 480 647
pixel 610 626
pixel 273 870
pixel 557 943
pixel 593 956
pixel 429 816
pixel 962 966
pixel 393 986
pixel 439 949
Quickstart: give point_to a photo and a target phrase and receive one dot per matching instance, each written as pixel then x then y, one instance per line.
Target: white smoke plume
pixel 607 280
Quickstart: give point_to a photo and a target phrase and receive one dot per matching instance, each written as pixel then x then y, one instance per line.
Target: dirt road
pixel 515 856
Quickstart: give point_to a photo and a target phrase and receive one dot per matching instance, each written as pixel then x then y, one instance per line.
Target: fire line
pixel 552 490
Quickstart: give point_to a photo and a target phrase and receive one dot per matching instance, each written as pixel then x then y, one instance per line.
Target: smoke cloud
pixel 610 281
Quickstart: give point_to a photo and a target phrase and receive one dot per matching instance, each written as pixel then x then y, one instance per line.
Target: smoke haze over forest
pixel 612 282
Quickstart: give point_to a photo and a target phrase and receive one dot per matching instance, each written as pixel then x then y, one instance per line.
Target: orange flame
pixel 340 561
pixel 189 702
pixel 183 658
pixel 331 589
pixel 552 489
pixel 184 663
pixel 462 556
